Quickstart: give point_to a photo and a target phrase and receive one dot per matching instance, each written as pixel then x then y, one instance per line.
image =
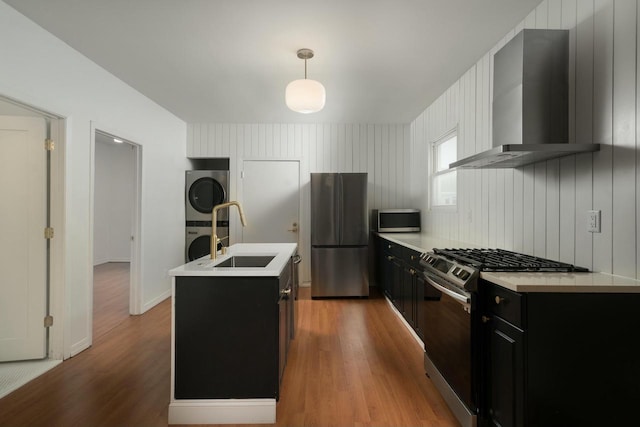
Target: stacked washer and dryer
pixel 204 189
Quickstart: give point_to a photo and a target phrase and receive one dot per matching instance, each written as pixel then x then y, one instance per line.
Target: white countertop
pixel 423 242
pixel 591 282
pixel 206 266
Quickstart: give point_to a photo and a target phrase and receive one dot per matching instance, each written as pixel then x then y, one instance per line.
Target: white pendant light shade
pixel 305 96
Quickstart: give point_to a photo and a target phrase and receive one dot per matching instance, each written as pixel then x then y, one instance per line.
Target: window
pixel 444 181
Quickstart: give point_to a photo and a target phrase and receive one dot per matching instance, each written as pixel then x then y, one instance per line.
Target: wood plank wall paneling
pixel 381 150
pixel 541 209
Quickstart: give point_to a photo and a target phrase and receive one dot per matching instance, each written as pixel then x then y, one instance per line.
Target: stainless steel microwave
pixel 396 220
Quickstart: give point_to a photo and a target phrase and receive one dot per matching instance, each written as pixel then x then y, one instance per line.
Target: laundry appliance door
pixel 204 190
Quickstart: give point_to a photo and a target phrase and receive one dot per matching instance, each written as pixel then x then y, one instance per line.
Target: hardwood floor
pixel 352 363
pixel 110 296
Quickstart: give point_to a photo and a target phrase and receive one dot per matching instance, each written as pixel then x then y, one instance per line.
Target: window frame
pixel 433 170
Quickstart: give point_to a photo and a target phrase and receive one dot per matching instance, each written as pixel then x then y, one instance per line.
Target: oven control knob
pixel 464 275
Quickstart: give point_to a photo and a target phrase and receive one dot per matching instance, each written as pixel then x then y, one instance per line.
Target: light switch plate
pixel 593 221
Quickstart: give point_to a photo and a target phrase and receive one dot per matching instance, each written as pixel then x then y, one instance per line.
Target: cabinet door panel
pixel 396 284
pixel 226 338
pixel 506 374
pixel 407 281
pixel 387 274
pixel 418 286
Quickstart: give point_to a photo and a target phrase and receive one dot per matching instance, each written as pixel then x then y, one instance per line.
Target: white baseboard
pixel 81 345
pixel 223 411
pixel 157 300
pixel 404 321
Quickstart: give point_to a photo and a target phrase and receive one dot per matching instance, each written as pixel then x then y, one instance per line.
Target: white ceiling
pixel 381 61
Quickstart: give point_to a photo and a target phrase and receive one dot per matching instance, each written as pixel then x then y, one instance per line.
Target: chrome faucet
pixel 214 222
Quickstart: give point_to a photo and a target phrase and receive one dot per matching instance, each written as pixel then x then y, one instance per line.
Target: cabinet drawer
pixel 504 303
pixel 391 248
pixel 412 257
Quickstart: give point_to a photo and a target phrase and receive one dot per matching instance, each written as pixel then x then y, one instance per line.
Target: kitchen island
pixel 232 319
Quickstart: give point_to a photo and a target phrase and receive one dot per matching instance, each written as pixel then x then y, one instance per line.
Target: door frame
pixel 57 348
pixel 135 276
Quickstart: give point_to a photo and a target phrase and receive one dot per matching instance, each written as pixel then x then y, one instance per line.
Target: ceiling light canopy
pixel 305 95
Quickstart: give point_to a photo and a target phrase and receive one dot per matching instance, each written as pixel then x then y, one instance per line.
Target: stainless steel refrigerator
pixel 339 235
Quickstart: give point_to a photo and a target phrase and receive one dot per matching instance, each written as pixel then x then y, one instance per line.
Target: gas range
pixel 461 267
pixel 451 340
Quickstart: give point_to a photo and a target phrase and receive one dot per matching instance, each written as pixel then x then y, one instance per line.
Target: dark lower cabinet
pixel 231 336
pixel 401 281
pixel 559 359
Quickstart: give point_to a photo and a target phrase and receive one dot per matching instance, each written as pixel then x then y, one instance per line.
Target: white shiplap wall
pixel 382 150
pixel 541 209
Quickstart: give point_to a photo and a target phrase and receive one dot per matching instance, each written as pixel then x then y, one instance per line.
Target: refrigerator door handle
pixel 339 218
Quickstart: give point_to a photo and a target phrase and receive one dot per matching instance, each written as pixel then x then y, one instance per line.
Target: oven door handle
pixel 460 298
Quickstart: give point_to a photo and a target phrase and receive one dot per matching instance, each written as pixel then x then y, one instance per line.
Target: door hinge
pixel 49 144
pixel 48 233
pixel 241 174
pixel 48 321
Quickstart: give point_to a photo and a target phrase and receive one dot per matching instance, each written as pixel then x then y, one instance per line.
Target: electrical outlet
pixel 593 221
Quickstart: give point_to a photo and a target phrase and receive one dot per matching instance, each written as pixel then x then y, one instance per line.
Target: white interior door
pixel 271 201
pixel 23 250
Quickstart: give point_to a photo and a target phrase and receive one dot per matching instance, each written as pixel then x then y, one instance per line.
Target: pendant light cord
pixel 305 68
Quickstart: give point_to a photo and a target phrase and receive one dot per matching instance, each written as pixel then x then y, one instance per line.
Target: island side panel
pixel 226 337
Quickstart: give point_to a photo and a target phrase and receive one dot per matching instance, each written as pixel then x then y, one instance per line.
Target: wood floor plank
pixel 352 363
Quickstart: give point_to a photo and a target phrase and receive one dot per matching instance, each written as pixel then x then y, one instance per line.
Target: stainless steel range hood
pixel 530 103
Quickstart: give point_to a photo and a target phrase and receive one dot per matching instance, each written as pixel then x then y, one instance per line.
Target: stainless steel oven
pixel 450 336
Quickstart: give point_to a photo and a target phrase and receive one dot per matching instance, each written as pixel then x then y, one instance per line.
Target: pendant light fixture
pixel 305 95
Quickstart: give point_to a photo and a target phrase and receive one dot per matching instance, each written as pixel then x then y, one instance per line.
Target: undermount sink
pixel 246 261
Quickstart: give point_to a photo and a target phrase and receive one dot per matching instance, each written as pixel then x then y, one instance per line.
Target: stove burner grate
pixel 503 260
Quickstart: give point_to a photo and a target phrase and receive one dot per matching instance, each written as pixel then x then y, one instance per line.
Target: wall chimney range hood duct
pixel 530 103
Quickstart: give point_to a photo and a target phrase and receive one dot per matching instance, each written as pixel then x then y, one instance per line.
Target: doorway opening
pixel 116 196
